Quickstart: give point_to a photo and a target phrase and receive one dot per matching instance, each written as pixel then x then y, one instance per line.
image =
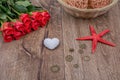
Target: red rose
pixel 5 25
pixel 17 35
pixel 19 26
pixel 41 17
pixel 27 30
pixel 7 28
pixel 36 16
pixel 43 22
pixel 46 15
pixel 35 25
pixel 25 18
pixel 27 22
pixel 45 18
pixel 8 31
pixel 8 38
pixel 28 27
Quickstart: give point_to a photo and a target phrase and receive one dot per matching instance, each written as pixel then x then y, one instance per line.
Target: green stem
pixel 10 18
pixel 8 5
pixel 1 26
pixel 15 11
pixel 1 22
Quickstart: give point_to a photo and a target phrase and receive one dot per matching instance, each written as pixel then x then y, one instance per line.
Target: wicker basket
pixel 86 13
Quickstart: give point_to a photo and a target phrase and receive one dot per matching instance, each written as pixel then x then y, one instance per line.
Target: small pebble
pixel 71 50
pixel 51 43
pixel 69 58
pixel 83 46
pixel 80 51
pixel 76 66
pixel 86 58
pixel 55 68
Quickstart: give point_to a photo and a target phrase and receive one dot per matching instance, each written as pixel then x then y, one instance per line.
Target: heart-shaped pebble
pixel 51 43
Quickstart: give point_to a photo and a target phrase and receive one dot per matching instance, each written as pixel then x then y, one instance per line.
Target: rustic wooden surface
pixel 28 59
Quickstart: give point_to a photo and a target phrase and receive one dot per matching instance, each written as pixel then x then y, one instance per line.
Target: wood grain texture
pixel 28 59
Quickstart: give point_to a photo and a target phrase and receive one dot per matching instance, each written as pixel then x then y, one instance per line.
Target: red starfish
pixel 96 38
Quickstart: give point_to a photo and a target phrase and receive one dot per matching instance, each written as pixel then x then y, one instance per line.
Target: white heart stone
pixel 51 43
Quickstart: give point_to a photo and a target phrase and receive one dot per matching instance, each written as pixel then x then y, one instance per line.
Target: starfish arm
pixel 106 42
pixel 104 32
pixel 94 45
pixel 85 38
pixel 92 30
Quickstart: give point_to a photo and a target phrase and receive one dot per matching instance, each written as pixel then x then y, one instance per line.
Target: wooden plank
pixel 28 59
pixel 20 60
pixel 55 57
pixel 103 65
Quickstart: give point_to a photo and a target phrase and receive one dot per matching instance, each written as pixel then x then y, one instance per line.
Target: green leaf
pixel 6 11
pixel 10 2
pixel 31 8
pixel 3 16
pixel 13 15
pixel 24 3
pixel 21 0
pixel 0 23
pixel 4 0
pixel 0 10
pixel 3 8
pixel 21 8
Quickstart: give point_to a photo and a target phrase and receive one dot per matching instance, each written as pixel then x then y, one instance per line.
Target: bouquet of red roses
pixel 19 23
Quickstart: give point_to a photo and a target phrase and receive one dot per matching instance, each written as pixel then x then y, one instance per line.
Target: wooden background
pixel 28 59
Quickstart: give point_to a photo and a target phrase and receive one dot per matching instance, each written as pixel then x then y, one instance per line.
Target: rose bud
pixel 17 35
pixel 28 28
pixel 8 31
pixel 35 25
pixel 43 22
pixel 46 15
pixel 7 38
pixel 5 25
pixel 28 24
pixel 25 18
pixel 36 15
pixel 19 26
